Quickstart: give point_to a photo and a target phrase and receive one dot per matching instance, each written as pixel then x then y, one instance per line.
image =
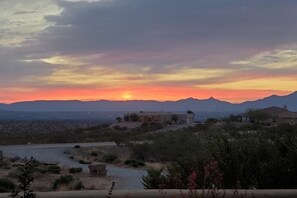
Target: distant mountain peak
pixel 211 104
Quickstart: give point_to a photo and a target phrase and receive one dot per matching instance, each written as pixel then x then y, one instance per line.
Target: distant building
pixel 165 117
pixel 271 115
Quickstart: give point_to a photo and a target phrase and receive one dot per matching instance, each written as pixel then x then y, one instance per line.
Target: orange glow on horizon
pixel 136 93
pixel 127 96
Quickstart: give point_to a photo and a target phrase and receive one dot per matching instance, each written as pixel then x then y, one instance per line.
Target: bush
pixel 75 170
pixel 25 179
pixel 117 161
pixel 94 154
pixel 84 162
pixel 154 179
pixel 69 182
pixel 134 163
pixel 109 158
pixel 63 180
pixel 15 174
pixel 6 185
pixel 4 163
pixel 77 146
pixel 53 169
pixel 75 185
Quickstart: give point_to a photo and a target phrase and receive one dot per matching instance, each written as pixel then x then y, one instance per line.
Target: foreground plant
pixel 199 183
pixel 25 179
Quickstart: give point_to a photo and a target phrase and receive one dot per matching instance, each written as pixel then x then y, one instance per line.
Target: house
pixel 164 117
pixel 271 115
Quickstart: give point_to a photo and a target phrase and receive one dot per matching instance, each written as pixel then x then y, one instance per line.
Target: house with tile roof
pixel 271 115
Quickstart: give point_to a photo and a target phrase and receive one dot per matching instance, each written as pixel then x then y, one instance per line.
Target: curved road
pixel 125 178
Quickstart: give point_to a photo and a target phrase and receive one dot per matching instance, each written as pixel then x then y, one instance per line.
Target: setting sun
pixel 126 96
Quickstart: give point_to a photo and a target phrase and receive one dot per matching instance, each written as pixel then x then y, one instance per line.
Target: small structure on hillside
pixel 161 117
pixel 271 115
pixel 1 155
pixel 98 170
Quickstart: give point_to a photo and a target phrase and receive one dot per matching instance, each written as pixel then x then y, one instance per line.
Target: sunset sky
pixel 233 50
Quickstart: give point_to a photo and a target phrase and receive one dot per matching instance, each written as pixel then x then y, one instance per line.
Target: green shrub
pixel 93 153
pixel 134 163
pixel 154 179
pixel 6 185
pixel 25 179
pixel 109 158
pixel 63 180
pixel 42 170
pixel 53 169
pixel 75 170
pixel 4 163
pixel 117 161
pixel 14 174
pixel 75 185
pixel 84 162
pixel 69 182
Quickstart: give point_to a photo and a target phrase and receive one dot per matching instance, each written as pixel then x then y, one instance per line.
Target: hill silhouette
pixel 197 105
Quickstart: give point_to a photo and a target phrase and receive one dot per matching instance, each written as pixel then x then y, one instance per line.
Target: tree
pixel 119 119
pixel 134 117
pixel 25 179
pixel 154 179
pixel 191 112
pixel 127 118
pixel 174 118
pixel 257 115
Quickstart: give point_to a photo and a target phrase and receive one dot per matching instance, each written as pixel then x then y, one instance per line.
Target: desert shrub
pixel 109 158
pixel 75 185
pixel 94 154
pixel 41 169
pixel 76 146
pixel 69 182
pixel 62 180
pixel 15 159
pixel 4 163
pixel 134 163
pixel 141 151
pixel 188 174
pixel 75 170
pixel 6 185
pixel 117 161
pixel 14 174
pixel 154 179
pixel 150 126
pixel 53 169
pixel 116 127
pixel 25 179
pixel 84 162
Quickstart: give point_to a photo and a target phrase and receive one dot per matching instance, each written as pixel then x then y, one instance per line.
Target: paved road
pixel 125 178
pixel 62 145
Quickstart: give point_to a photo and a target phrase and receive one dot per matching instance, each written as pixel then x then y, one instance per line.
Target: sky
pixel 233 50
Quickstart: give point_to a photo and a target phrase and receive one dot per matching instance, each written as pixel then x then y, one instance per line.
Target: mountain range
pixel 196 105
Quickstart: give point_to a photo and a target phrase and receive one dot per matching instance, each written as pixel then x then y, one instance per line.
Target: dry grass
pixel 43 181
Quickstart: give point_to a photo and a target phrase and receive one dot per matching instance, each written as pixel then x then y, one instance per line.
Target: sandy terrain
pixel 44 182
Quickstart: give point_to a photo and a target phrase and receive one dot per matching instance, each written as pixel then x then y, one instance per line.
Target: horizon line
pixel 98 100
